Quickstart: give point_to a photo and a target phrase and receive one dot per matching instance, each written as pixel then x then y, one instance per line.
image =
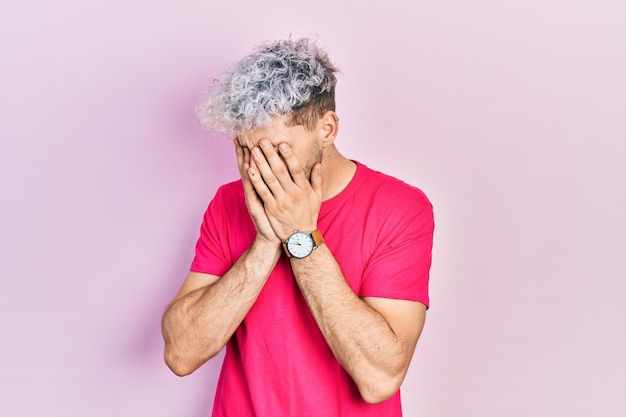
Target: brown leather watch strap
pixel 318 239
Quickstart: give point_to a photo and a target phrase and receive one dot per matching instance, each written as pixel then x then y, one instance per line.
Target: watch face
pixel 300 245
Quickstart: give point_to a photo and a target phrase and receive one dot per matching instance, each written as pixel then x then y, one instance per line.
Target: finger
pixel 293 165
pixel 266 171
pixel 243 157
pixel 258 183
pixel 276 164
pixel 239 152
pixel 246 158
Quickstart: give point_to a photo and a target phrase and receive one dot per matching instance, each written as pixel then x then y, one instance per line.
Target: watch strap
pixel 318 239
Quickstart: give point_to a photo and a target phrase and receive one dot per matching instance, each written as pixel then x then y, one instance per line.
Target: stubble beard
pixel 316 157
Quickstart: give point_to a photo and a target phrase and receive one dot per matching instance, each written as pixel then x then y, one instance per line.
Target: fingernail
pixel 257 151
pixel 265 144
pixel 283 147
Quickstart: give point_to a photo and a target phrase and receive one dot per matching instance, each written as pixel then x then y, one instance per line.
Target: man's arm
pixel 208 309
pixel 372 338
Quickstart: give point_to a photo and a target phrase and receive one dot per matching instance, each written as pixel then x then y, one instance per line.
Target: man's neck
pixel 337 172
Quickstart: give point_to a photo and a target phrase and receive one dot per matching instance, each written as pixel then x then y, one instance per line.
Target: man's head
pixel 287 78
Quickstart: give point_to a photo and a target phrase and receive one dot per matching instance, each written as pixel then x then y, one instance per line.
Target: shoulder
pixel 233 188
pixel 229 193
pixel 390 207
pixel 227 202
pixel 386 189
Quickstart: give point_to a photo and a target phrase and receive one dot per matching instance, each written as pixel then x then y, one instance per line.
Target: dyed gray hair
pixel 278 78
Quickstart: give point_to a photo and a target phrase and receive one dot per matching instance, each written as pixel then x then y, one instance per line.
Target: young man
pixel 312 269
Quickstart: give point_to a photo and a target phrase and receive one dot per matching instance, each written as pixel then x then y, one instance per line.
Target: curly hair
pixel 294 78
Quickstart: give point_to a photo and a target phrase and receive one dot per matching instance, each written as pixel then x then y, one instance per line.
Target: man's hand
pixel 253 202
pixel 289 200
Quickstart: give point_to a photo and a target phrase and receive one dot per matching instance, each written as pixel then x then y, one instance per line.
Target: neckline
pixel 346 192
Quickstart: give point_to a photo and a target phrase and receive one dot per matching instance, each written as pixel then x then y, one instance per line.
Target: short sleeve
pixel 211 256
pixel 400 265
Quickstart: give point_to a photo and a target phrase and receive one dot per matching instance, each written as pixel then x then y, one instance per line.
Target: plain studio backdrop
pixel 510 115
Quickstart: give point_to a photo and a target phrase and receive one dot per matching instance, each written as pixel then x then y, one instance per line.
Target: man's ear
pixel 328 126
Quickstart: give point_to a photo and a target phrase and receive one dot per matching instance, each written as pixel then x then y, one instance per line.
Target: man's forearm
pixel 359 336
pixel 198 325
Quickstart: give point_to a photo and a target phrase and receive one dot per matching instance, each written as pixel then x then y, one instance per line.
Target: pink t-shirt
pixel 380 231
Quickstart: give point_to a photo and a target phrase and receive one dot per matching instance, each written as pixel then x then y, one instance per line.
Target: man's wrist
pixel 265 245
pixel 302 244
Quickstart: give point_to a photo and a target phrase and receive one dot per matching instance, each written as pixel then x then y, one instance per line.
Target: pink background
pixel 510 115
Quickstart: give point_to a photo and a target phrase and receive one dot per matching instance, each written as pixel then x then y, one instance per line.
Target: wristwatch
pixel 301 244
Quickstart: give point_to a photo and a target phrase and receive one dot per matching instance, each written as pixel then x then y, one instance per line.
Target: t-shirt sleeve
pixel 399 267
pixel 211 256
